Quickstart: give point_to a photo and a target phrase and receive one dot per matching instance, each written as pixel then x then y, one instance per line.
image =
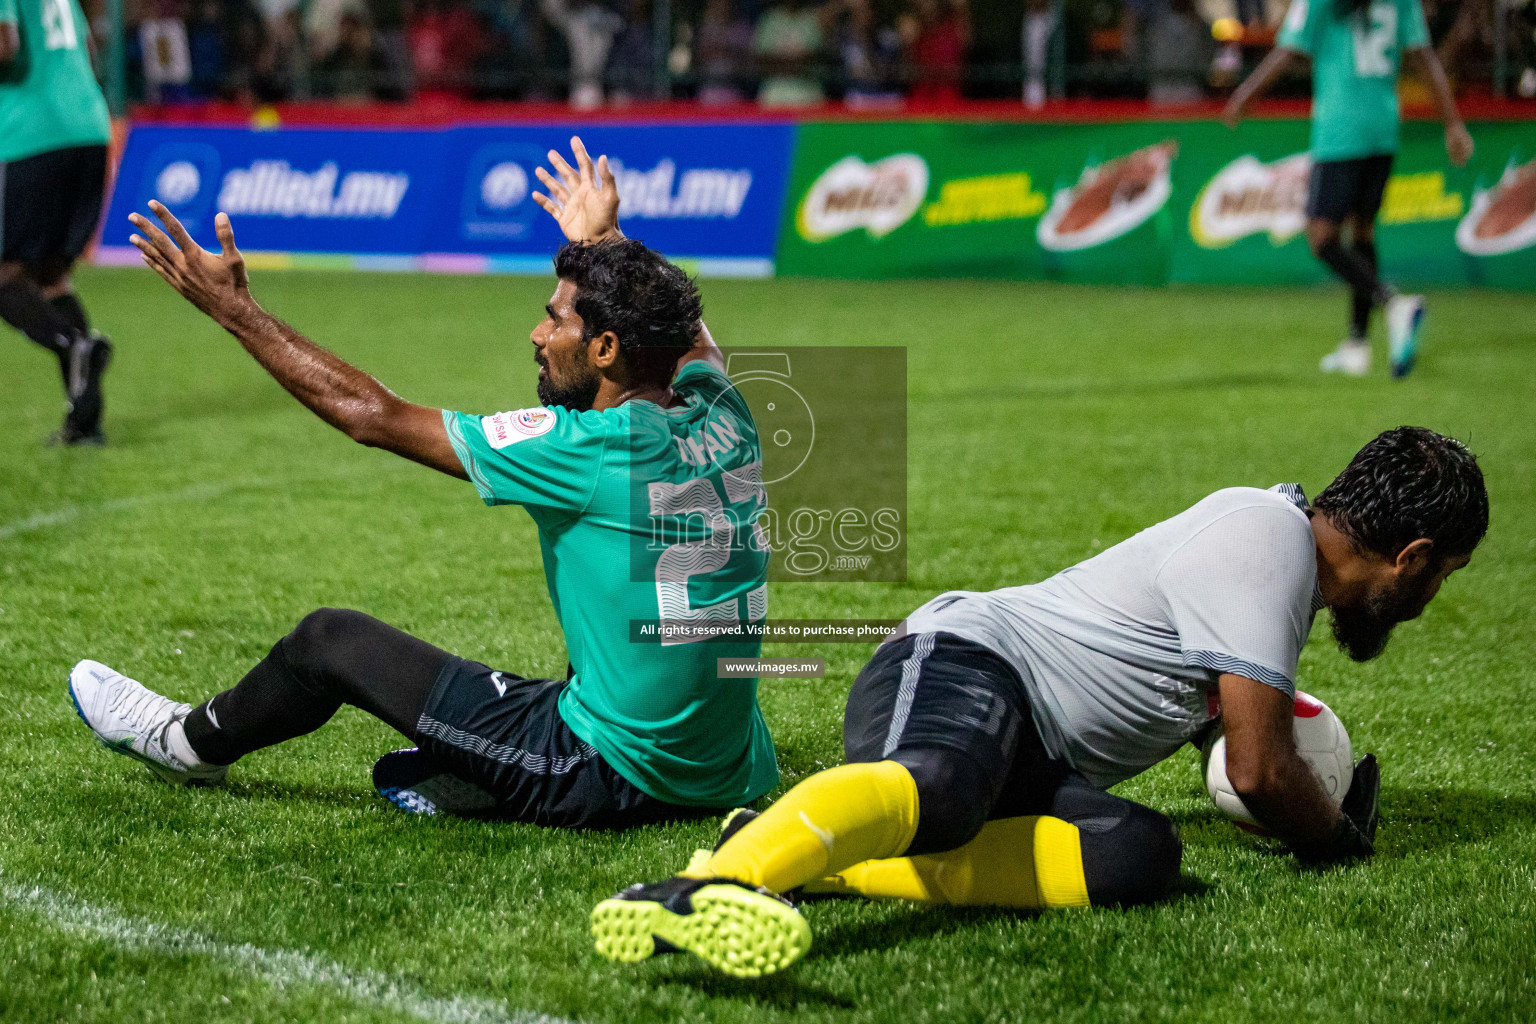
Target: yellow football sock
pixel 1033 862
pixel 831 821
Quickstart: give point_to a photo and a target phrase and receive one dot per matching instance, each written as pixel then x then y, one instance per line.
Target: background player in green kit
pixel 629 377
pixel 1357 48
pixel 53 169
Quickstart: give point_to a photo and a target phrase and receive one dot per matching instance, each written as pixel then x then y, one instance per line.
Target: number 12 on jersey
pixel 1375 34
pixel 59 26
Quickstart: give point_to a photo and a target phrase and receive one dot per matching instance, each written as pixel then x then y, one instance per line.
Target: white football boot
pixel 1405 315
pixel 129 718
pixel 1352 358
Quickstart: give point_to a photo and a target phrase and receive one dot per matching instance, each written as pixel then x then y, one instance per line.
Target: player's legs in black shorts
pixel 490 742
pixel 957 717
pixel 49 207
pixel 1347 194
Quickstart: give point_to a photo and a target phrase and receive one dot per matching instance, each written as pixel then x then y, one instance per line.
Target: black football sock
pixel 332 657
pixel 1362 304
pixel 1359 274
pixel 70 308
pixel 24 308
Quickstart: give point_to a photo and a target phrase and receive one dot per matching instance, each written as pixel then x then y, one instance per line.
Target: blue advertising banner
pixel 455 199
pixel 287 191
pixel 710 192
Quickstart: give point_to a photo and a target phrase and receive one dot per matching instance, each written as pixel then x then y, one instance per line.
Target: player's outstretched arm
pixel 584 200
pixel 1458 141
pixel 1276 784
pixel 1254 86
pixel 339 393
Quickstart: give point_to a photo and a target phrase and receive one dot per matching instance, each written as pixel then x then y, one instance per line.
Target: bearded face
pixel 574 387
pixel 1362 631
pixel 561 349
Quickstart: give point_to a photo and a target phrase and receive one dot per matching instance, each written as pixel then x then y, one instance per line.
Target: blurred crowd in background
pixel 864 53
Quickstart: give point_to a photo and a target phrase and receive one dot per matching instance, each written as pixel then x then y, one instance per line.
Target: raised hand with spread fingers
pixel 584 200
pixel 215 283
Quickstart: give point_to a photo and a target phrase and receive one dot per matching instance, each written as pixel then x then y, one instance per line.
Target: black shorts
pixel 937 690
pixel 957 717
pixel 504 733
pixel 51 203
pixel 1340 189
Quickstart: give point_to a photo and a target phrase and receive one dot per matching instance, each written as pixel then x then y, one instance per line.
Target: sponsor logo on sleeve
pixel 508 428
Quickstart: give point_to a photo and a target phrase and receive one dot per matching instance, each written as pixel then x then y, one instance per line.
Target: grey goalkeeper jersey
pixel 1121 653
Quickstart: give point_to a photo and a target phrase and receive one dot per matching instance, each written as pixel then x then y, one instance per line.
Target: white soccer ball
pixel 1321 741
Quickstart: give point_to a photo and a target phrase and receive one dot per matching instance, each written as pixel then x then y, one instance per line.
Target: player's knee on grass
pixel 1132 860
pixel 327 628
pixel 348 657
pixel 954 798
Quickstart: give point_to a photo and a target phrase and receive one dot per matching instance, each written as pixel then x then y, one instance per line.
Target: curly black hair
pixel 650 304
pixel 1406 484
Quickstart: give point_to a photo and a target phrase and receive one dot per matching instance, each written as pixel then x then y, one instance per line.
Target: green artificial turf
pixel 1045 422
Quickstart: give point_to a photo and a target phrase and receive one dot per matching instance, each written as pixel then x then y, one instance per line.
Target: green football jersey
pixel 1355 61
pixel 647 515
pixel 49 98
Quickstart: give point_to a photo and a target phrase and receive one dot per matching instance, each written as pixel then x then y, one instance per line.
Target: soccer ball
pixel 1320 740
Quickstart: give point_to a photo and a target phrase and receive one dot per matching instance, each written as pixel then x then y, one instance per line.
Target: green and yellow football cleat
pixel 742 930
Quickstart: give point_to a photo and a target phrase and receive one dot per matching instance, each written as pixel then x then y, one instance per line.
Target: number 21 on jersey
pixel 696 560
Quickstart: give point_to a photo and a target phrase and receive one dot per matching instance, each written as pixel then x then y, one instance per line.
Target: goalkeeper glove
pixel 1354 834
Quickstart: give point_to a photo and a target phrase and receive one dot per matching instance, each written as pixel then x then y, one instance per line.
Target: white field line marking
pixel 69 513
pixel 195 492
pixel 278 967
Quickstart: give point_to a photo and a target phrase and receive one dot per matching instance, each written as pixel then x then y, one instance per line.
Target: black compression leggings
pixel 333 657
pixel 1362 302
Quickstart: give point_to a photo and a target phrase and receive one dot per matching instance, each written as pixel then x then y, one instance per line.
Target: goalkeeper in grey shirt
pixel 981 742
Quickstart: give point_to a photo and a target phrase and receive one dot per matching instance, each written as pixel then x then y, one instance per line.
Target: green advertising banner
pixel 1140 202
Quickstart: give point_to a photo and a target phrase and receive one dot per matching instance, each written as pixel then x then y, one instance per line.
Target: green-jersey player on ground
pixel 53 171
pixel 1357 47
pixel 641 469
